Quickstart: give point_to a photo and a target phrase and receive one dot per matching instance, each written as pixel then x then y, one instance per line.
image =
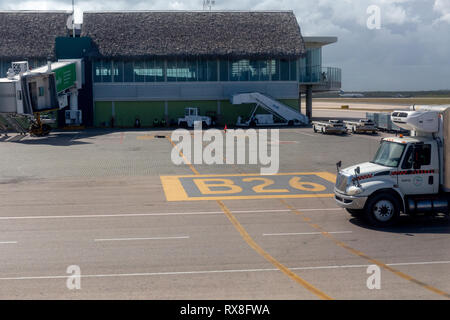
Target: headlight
pixel 354 190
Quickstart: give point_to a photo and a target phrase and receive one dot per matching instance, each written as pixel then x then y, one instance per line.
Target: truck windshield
pixel 389 154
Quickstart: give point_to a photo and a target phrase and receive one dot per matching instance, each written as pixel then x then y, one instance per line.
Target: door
pixel 419 171
pixel 32 86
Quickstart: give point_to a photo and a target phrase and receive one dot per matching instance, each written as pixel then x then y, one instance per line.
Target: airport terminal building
pixel 151 65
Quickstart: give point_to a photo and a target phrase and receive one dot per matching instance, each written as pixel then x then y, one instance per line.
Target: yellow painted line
pixel 174 196
pixel 327 176
pixel 174 188
pixel 364 256
pixel 249 240
pixel 184 158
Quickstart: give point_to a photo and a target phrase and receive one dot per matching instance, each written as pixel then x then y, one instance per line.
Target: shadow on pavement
pixel 411 225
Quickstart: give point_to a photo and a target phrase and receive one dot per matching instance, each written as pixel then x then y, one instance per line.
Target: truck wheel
pixel 355 212
pixel 382 210
pixel 353 130
pixel 323 130
pixel 315 129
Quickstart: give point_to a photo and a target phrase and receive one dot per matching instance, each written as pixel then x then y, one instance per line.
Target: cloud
pixel 407 53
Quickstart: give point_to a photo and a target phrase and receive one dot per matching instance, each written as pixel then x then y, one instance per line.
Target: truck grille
pixel 341 182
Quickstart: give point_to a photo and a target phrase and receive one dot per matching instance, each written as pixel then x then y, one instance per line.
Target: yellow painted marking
pixel 306 186
pixel 184 158
pixel 249 240
pixel 205 186
pixel 175 185
pixel 261 188
pixel 327 176
pixel 364 256
pixel 175 191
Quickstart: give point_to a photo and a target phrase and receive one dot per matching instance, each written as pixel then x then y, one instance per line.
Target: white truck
pixel 330 126
pixel 361 126
pixel 191 115
pixel 407 174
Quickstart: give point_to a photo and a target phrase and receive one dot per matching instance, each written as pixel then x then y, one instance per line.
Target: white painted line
pixel 303 233
pixel 158 214
pixel 137 239
pixel 306 134
pixel 148 274
pixel 8 242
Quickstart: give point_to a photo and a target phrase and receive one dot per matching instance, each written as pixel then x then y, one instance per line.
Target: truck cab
pixel 405 175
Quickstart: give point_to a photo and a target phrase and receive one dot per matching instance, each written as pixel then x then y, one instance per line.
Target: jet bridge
pixel 287 115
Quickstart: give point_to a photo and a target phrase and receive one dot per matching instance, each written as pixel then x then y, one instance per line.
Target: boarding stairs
pixel 273 106
pixel 10 120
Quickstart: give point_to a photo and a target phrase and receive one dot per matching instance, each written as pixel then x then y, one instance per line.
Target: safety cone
pixel 225 129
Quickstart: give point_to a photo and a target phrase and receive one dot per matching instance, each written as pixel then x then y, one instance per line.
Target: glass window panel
pixel 202 70
pixel 182 71
pixel 212 70
pixel 171 70
pixel 192 69
pixel 139 71
pixel 106 71
pixel 284 70
pixel 128 75
pixel 233 70
pixel 97 71
pixel 150 71
pixel 159 70
pixel 293 68
pixel 223 70
pixel 118 71
pixel 264 70
pixel 254 70
pixel 275 70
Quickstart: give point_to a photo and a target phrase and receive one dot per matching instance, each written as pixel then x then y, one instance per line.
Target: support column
pixel 309 102
pixel 300 98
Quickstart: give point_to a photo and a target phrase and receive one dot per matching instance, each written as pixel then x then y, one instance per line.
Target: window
pixel 284 70
pixel 182 70
pixel 264 70
pixel 140 71
pixel 212 70
pixel 223 70
pixel 128 71
pixel 202 70
pixel 41 91
pixel 97 71
pixel 159 70
pixel 151 73
pixel 274 70
pixel 389 154
pixel 423 156
pixel 171 70
pixel 191 70
pixel 117 71
pixel 254 70
pixel 293 70
pixel 106 71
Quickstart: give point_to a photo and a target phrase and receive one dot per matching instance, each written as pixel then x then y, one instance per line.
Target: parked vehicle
pixel 191 115
pixel 361 126
pixel 407 174
pixel 330 126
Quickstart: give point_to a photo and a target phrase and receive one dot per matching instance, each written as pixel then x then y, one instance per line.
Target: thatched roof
pixel 135 34
pixel 30 34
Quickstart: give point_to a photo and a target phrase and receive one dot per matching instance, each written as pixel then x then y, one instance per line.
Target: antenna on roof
pixel 208 4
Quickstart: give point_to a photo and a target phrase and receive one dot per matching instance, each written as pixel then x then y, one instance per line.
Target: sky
pixel 407 48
